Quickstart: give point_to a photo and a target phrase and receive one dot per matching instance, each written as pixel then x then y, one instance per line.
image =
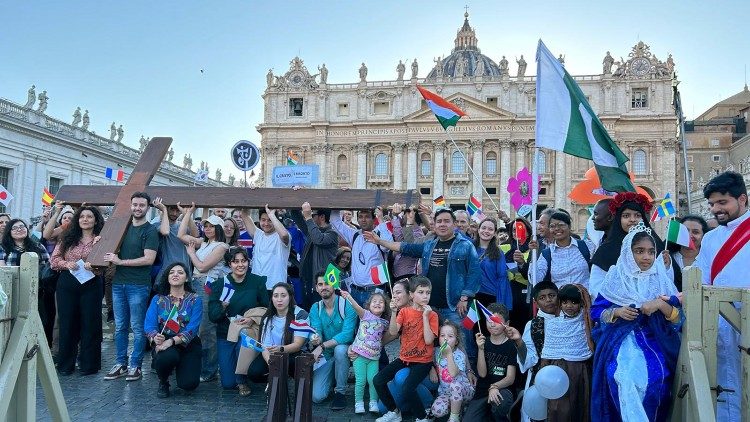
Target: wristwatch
pixel 281 349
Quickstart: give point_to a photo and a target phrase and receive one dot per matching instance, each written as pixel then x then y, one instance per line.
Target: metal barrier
pixel 23 348
pixel 695 388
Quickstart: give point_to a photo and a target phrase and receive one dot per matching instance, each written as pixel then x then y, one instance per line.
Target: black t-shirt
pixel 498 358
pixel 437 272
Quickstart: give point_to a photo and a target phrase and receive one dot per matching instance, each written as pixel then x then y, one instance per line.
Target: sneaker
pixel 117 371
pixel 359 407
pixel 339 401
pixel 134 374
pixel 208 378
pixel 392 416
pixel 374 408
pixel 163 391
pixel 454 418
pixel 426 419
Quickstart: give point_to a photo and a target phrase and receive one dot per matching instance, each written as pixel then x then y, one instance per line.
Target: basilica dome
pixel 465 59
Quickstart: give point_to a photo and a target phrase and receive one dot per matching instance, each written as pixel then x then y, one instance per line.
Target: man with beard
pixel 131 287
pixel 723 259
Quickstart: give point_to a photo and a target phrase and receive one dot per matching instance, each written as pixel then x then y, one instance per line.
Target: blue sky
pixel 138 62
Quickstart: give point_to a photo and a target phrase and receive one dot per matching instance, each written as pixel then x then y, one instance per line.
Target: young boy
pixel 496 367
pixel 554 338
pixel 418 324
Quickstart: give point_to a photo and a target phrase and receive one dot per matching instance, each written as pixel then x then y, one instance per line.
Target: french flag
pixel 116 175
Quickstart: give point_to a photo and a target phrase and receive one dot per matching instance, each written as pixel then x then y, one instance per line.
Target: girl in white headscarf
pixel 638 318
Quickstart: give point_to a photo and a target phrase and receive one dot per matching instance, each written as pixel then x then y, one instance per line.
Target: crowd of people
pixel 213 297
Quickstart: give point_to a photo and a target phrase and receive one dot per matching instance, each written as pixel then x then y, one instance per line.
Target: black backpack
pixel 547 254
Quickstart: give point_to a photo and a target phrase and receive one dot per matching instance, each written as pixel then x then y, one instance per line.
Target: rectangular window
pixel 424 191
pixel 716 158
pixel 491 191
pixel 491 166
pixel 426 168
pixel 295 107
pixel 542 191
pixel 639 98
pixel 714 142
pixel 343 109
pixel 492 101
pixel 54 185
pixel 5 181
pixel 381 107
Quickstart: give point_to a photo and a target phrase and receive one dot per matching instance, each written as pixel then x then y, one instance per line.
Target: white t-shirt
pixel 270 256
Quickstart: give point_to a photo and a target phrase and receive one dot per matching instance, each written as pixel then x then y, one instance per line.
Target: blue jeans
pixel 424 391
pixel 323 376
pixel 228 353
pixel 207 333
pixel 468 340
pixel 130 302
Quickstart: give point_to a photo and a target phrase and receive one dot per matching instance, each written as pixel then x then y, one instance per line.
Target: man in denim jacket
pixel 452 265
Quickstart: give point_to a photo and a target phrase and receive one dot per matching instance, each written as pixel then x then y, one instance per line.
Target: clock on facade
pixel 640 66
pixel 296 79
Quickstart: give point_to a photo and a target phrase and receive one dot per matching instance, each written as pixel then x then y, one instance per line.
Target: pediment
pixel 474 109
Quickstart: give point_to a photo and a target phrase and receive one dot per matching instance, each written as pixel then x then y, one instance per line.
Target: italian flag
pixel 446 113
pixel 679 234
pixel 172 324
pixel 565 122
pixel 472 316
pixel 380 274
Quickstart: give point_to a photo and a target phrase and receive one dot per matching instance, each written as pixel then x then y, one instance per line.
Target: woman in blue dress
pixel 638 319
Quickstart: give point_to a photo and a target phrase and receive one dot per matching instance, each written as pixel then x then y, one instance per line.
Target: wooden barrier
pixel 278 375
pixel 24 349
pixel 303 374
pixel 695 387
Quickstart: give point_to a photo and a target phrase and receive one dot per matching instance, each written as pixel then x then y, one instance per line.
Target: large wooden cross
pixel 227 197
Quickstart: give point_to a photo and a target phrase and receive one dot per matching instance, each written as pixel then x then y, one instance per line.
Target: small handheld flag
pixel 472 316
pixel 171 323
pixel 250 343
pixel 446 113
pixel 439 201
pixel 333 276
pixel 301 327
pixel 679 234
pixel 47 197
pixel 443 347
pixel 380 274
pixel 116 175
pixel 227 292
pixel 474 205
pixel 521 234
pixel 489 315
pixel 5 196
pixel 664 209
pixel 291 158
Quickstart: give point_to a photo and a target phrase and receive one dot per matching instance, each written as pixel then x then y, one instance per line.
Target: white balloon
pixel 534 405
pixel 552 382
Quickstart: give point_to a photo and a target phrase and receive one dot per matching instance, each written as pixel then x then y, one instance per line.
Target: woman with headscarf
pixel 683 256
pixel 637 333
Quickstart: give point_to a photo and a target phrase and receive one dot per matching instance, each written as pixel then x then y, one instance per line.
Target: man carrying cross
pixel 723 259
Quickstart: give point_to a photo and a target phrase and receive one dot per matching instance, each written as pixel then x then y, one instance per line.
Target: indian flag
pixel 446 113
pixel 380 274
pixel 291 158
pixel 472 316
pixel 565 122
pixel 679 234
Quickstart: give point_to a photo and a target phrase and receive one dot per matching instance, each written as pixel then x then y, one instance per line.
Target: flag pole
pixel 471 169
pixel 534 201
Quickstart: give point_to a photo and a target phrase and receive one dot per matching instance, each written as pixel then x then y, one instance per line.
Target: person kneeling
pixel 171 324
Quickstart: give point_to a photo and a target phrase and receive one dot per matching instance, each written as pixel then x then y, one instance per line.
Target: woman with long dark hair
pixel 174 335
pixel 628 209
pixel 231 231
pixel 683 256
pixel 494 287
pixel 79 303
pixel 16 240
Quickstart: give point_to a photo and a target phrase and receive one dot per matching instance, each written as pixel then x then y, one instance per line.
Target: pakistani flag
pixel 565 122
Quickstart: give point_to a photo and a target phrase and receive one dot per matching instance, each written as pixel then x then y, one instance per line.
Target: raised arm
pixel 358 309
pixel 374 238
pixel 182 231
pixel 280 229
pixel 248 222
pixel 164 219
pixel 213 258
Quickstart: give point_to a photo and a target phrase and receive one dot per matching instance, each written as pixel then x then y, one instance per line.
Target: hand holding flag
pixel 172 322
pixel 333 276
pixel 250 343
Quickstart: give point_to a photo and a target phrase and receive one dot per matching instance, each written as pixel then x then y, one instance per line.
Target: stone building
pixel 380 134
pixel 40 151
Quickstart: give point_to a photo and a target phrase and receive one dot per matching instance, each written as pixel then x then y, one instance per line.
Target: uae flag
pixel 679 234
pixel 565 122
pixel 380 274
pixel 472 316
pixel 172 324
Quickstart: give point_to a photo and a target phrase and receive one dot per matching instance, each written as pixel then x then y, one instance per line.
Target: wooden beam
pixel 233 197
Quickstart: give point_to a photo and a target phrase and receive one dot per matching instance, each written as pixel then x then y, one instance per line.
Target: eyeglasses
pixel 18 228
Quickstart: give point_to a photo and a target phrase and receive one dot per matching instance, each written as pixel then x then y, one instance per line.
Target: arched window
pixel 541 162
pixel 639 162
pixel 381 164
pixel 342 165
pixel 457 163
pixel 426 164
pixel 491 163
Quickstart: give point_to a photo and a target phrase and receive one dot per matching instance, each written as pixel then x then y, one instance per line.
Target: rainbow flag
pixel 47 197
pixel 291 158
pixel 439 201
pixel 664 209
pixel 446 113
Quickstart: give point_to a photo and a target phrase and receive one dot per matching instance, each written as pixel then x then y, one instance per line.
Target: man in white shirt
pixel 727 200
pixel 271 246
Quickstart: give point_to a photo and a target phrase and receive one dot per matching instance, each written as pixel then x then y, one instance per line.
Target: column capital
pixel 669 143
pixel 319 148
pixel 505 143
pixel 439 143
pixel 477 144
pixel 361 148
pixel 398 145
pixel 412 145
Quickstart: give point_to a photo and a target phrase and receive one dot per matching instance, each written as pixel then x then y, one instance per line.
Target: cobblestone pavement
pixel 91 398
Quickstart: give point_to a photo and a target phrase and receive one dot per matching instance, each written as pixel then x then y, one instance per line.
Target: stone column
pixel 361 165
pixel 412 164
pixel 504 174
pixel 561 197
pixel 520 146
pixel 478 165
pixel 269 161
pixel 438 172
pixel 668 165
pixel 398 165
pixel 319 151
